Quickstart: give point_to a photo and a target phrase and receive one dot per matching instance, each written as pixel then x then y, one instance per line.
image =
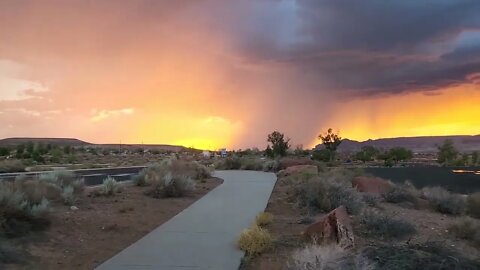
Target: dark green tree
pixel 331 141
pixel 321 155
pixel 367 153
pixel 280 144
pixel 30 147
pixel 269 152
pixel 475 158
pixel 447 153
pixel 20 151
pixel 4 151
pixel 398 154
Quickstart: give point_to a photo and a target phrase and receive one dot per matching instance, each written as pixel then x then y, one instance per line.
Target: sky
pixel 218 73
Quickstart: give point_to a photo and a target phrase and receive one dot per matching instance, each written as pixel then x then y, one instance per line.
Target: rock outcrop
pixel 334 227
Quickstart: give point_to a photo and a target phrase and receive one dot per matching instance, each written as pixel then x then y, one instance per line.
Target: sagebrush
pixel 255 240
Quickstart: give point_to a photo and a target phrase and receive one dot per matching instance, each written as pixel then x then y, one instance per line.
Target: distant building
pixel 206 154
pixel 223 152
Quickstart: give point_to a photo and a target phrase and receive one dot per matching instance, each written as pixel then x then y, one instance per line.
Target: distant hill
pixel 423 144
pixel 13 142
pixel 53 141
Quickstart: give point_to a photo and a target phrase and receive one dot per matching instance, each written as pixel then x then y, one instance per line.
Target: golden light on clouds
pixel 454 110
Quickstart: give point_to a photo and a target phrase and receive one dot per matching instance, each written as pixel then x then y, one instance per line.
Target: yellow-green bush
pixel 263 219
pixel 255 241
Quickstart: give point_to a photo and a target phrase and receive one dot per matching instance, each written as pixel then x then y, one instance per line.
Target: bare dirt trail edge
pixel 203 236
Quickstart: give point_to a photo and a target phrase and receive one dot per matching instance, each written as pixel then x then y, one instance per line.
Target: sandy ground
pixel 103 226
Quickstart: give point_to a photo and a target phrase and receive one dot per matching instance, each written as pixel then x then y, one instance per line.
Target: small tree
pixel 367 153
pixel 447 153
pixel 398 154
pixel 269 152
pixel 331 141
pixel 279 143
pixel 475 157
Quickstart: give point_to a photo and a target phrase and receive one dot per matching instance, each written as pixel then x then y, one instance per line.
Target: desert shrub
pixel 293 161
pixel 68 196
pixel 263 219
pixel 401 194
pixel 255 241
pixel 18 216
pixel 139 180
pixel 473 205
pixel 172 186
pixel 383 226
pixel 229 163
pixel 371 199
pixel 62 179
pixel 9 254
pixel 468 229
pixel 251 164
pixel 11 166
pixel 109 186
pixel 324 194
pixel 270 165
pixel 62 185
pixel 330 257
pixel 429 255
pixel 444 201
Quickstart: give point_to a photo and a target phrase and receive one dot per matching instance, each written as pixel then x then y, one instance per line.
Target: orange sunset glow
pixel 211 74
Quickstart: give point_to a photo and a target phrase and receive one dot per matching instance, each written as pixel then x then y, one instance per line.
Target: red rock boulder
pixel 373 185
pixel 334 227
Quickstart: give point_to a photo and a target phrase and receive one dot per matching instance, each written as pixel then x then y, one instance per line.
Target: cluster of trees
pixel 448 155
pixel 38 152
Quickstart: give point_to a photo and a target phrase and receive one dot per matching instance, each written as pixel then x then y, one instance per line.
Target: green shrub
pixel 178 168
pixel 473 205
pixel 444 201
pixel 383 226
pixel 468 229
pixel 324 194
pixel 11 166
pixel 255 241
pixel 109 186
pixel 251 164
pixel 63 178
pixel 263 219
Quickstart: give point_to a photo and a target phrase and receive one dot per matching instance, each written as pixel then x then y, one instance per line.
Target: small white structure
pixel 223 152
pixel 206 154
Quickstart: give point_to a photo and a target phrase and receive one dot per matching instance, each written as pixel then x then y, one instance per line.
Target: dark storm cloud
pixel 372 46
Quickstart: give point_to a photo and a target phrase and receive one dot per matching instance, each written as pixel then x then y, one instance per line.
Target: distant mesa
pixel 12 142
pixel 419 144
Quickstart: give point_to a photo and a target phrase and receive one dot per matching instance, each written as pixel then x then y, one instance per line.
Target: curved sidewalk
pixel 203 236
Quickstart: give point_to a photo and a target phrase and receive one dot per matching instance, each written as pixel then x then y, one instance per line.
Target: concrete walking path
pixel 203 236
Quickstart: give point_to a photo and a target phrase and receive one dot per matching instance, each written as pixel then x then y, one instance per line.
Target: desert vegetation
pixel 388 224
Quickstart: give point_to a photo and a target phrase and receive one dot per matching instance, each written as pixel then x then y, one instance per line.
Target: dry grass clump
pixel 11 166
pixel 255 241
pixel 263 219
pixel 382 226
pixel 468 229
pixel 271 165
pixel 327 192
pixel 177 168
pixel 473 205
pixel 109 186
pixel 229 163
pixel 329 257
pixel 444 201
